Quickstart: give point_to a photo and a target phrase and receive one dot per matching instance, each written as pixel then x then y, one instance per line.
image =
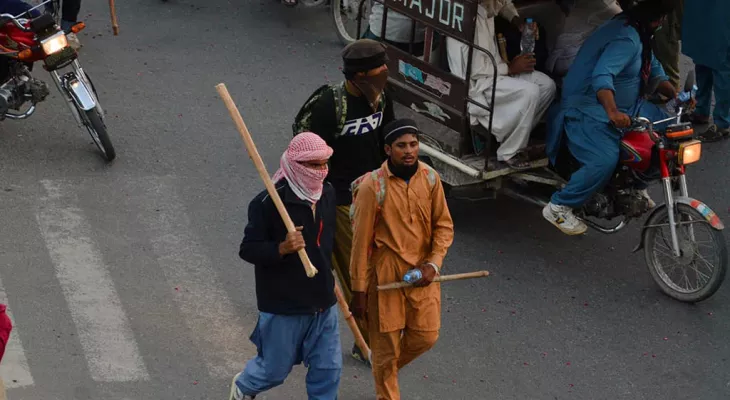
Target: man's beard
pixel 403 171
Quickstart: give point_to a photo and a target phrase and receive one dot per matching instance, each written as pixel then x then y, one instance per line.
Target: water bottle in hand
pixel 527 44
pixel 682 98
pixel 412 276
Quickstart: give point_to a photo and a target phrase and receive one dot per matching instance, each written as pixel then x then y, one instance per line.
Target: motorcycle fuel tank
pixel 636 150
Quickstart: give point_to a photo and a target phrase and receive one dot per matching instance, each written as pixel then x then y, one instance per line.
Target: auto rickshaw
pixel 464 154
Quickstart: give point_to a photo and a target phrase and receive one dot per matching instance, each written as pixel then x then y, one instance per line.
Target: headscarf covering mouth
pixel 307 183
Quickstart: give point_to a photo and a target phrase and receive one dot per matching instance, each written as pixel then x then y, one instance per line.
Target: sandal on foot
pixel 518 163
pixel 713 134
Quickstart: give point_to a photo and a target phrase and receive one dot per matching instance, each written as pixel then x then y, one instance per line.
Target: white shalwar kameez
pixel 583 19
pixel 520 100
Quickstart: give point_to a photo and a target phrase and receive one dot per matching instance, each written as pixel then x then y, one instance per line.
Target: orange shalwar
pixel 412 227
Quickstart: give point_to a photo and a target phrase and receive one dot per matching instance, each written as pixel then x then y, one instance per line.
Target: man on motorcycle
pixel 603 88
pixel 350 117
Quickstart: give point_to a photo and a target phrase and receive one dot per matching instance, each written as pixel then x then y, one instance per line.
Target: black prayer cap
pixel 398 128
pixel 363 55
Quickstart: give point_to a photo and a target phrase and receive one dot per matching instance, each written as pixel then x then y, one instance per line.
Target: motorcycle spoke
pixel 683 276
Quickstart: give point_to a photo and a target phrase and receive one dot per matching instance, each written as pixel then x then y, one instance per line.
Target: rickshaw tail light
pixel 690 152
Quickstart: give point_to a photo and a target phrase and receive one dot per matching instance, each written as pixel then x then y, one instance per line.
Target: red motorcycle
pixel 25 42
pixel 682 239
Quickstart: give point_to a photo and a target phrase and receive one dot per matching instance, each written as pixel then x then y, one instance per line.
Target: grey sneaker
pixel 236 393
pixel 564 219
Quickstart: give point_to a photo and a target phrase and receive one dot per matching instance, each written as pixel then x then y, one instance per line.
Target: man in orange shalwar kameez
pixel 400 222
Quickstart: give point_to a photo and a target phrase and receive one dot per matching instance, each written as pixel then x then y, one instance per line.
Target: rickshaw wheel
pixel 351 13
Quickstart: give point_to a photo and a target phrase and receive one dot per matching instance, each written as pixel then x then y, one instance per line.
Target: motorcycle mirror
pixel 690 82
pixel 653 85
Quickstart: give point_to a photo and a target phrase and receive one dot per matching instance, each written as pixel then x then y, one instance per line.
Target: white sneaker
pixel 564 219
pixel 236 393
pixel 645 194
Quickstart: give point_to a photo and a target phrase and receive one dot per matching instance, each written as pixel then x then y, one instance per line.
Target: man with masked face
pixel 400 222
pixel 297 315
pixel 522 95
pixel 603 89
pixel 350 118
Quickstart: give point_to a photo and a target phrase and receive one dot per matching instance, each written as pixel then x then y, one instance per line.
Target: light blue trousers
pixel 709 80
pixel 284 341
pixel 595 145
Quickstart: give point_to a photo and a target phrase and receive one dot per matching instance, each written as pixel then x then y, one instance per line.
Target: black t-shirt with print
pixel 358 147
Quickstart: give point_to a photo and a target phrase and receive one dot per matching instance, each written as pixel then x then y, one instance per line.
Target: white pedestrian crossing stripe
pixel 14 369
pixel 103 329
pixel 210 315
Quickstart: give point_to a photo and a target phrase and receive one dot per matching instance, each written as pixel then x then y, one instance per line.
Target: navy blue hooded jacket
pixel 282 286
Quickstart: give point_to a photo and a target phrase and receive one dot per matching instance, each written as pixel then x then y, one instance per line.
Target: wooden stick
pixel 359 340
pixel 113 12
pixel 256 158
pixel 444 278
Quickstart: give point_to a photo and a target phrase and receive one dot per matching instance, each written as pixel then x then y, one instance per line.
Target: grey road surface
pixel 123 280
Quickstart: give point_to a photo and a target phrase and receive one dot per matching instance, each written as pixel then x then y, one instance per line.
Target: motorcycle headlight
pixel 690 152
pixel 54 43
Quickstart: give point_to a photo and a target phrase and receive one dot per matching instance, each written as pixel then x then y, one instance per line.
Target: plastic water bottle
pixel 527 44
pixel 412 276
pixel 682 98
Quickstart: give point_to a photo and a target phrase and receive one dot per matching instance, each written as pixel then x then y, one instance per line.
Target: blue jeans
pixel 284 341
pixel 719 80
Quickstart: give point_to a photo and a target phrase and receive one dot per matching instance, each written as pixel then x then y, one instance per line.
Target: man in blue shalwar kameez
pixel 706 39
pixel 603 88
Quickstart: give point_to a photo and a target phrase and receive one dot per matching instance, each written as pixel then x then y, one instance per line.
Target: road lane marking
pixel 14 369
pixel 109 345
pixel 209 313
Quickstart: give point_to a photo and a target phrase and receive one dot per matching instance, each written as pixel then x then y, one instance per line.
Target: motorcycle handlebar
pixel 5 18
pixel 646 123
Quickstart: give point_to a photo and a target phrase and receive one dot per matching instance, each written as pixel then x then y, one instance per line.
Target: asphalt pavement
pixel 123 280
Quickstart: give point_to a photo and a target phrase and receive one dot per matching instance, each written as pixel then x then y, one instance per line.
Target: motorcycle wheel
pixel 341 16
pixel 97 129
pixel 707 270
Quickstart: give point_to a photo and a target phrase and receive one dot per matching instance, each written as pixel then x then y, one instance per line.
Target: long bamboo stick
pixel 359 340
pixel 261 168
pixel 443 278
pixel 113 13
